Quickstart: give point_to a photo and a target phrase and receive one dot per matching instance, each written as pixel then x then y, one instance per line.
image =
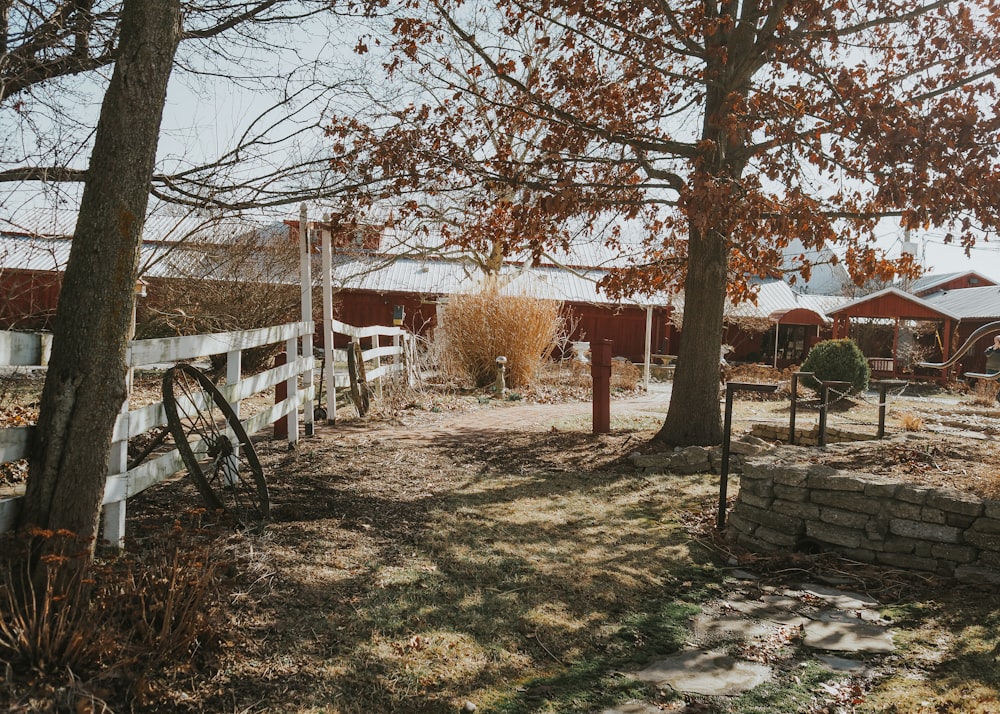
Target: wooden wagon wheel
pixel 214 445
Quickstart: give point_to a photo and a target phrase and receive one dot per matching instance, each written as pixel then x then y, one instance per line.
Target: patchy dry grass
pixel 511 590
pixel 948 660
pixel 524 567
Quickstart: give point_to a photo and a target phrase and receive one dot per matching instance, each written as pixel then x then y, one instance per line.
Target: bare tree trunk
pixel 85 385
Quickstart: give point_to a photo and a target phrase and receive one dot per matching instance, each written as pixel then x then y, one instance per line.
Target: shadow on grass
pixel 508 581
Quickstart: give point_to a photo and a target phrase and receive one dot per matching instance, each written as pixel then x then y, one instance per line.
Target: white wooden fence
pixel 399 355
pixel 124 483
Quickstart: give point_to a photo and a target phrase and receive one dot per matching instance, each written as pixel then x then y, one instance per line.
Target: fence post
pixel 648 348
pixel 409 359
pixel 883 385
pixel 113 514
pixel 376 345
pixel 113 532
pixel 280 395
pixel 292 389
pixel 824 406
pixel 305 279
pixel 600 371
pixel 331 382
pixel 234 372
pixel 794 403
pixel 727 432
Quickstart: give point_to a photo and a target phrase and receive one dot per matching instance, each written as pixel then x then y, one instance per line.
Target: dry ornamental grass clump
pixel 476 328
pixel 984 393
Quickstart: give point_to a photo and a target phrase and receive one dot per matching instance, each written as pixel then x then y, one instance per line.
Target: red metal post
pixel 280 394
pixel 600 370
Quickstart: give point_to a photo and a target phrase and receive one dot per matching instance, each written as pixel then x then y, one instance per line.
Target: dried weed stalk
pixel 476 328
pixel 131 619
pixel 984 393
pixel 49 625
pixel 911 422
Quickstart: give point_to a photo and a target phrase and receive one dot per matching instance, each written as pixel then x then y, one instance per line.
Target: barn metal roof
pixel 401 275
pixel 38 240
pixel 159 227
pixel 923 302
pixel 968 303
pixel 776 297
pixel 39 254
pixel 927 283
pixel 441 277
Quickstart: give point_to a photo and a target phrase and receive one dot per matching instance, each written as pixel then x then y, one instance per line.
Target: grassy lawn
pixel 520 570
pixel 518 580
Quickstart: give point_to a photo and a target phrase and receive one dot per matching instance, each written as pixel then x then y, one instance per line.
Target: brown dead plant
pixel 240 284
pixel 984 393
pixel 476 328
pixel 51 624
pixel 129 619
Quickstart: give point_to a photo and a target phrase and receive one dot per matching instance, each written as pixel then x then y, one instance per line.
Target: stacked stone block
pixel 700 459
pixel 788 506
pixel 808 435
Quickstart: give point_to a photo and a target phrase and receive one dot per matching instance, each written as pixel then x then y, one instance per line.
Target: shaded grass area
pixel 523 571
pixel 949 659
pixel 531 573
pixel 520 589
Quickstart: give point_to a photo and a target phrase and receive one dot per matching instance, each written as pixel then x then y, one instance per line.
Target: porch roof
pixel 799 316
pixel 892 302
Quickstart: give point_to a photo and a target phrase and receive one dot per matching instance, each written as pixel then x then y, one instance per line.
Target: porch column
pixel 895 347
pixel 946 350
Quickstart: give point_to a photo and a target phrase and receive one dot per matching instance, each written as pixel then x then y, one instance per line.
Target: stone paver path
pixel 840 629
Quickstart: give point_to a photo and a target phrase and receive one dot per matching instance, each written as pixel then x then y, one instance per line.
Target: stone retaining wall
pixel 783 507
pixel 808 435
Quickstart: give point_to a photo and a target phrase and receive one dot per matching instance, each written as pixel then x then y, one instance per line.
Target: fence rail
pixel 123 483
pixel 881 364
pixel 400 352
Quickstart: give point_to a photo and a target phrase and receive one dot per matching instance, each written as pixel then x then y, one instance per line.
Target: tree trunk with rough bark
pixel 85 385
pixel 694 415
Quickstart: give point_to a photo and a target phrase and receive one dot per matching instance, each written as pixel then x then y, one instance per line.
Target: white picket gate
pixel 123 483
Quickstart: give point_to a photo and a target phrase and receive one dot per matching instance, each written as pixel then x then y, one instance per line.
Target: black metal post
pixel 883 385
pixel 824 394
pixel 824 390
pixel 792 406
pixel 727 427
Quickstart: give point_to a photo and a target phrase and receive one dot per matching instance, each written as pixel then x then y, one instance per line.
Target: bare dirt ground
pixel 458 549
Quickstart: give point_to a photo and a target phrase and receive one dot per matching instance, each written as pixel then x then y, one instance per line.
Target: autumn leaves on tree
pixel 721 130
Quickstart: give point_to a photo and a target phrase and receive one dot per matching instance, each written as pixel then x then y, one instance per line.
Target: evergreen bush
pixel 837 360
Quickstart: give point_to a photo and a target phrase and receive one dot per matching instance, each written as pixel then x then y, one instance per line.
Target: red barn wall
pixel 889 306
pixel 28 299
pixel 962 281
pixel 625 327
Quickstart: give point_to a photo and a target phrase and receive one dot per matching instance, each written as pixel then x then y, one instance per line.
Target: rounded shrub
pixel 840 361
